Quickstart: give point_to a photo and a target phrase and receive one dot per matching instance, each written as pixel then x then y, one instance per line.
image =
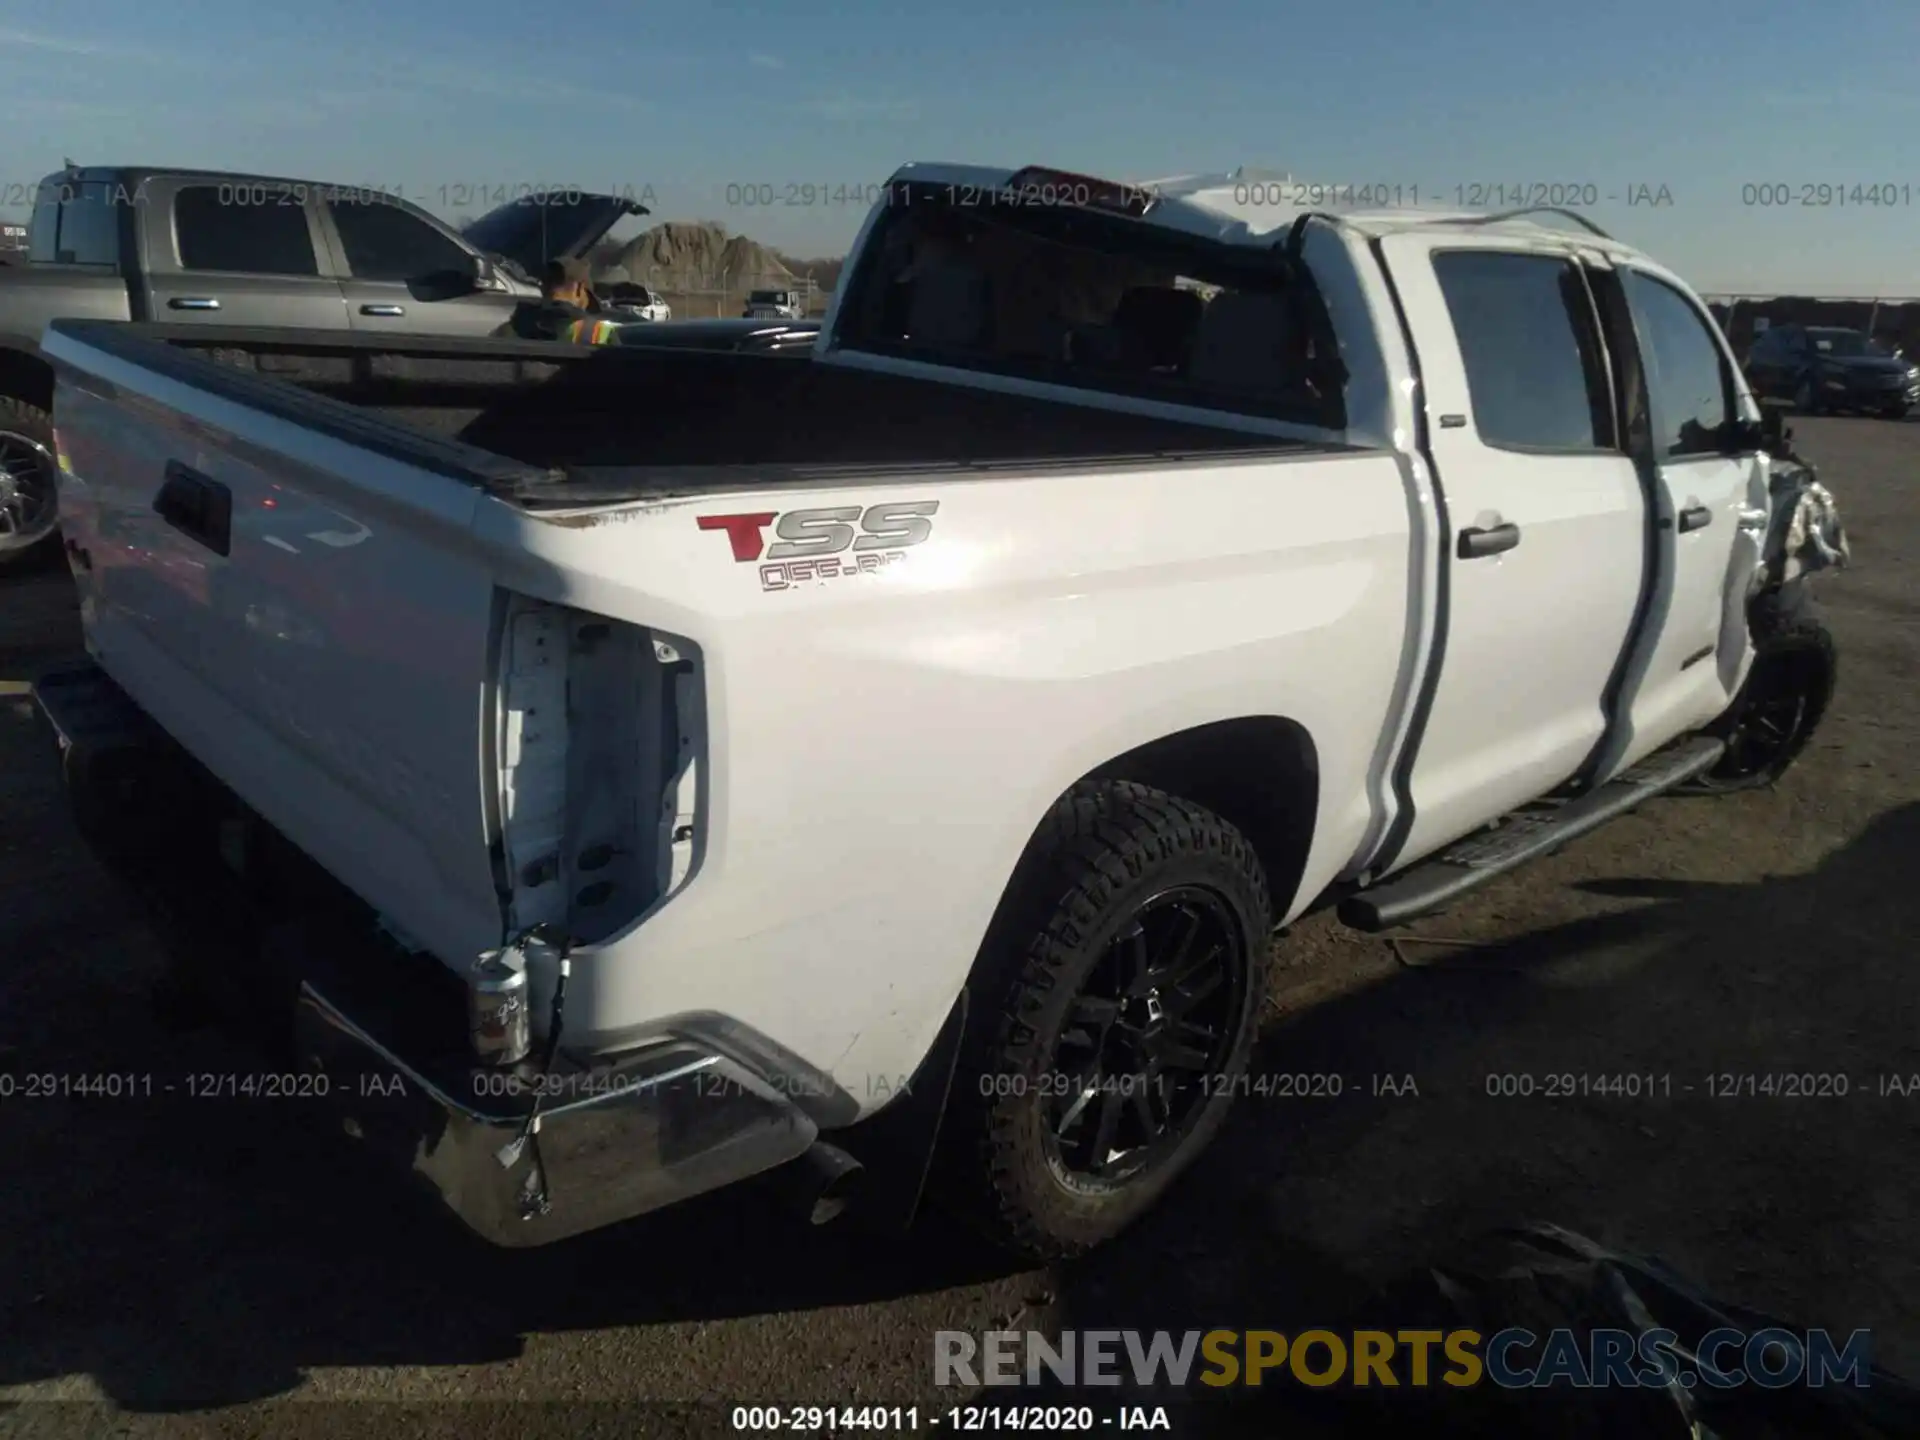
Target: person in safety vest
pixel 567 310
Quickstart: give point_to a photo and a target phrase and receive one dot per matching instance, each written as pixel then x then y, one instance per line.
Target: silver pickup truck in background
pixel 207 247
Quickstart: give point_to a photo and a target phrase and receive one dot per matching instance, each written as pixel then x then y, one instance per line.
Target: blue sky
pixel 688 104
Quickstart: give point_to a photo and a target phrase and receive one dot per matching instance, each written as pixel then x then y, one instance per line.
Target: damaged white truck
pixel 886 770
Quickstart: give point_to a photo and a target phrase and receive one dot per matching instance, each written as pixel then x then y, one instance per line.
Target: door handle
pixel 1475 542
pixel 1695 517
pixel 193 302
pixel 383 309
pixel 198 507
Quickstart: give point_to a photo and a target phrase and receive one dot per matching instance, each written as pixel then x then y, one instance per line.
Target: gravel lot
pixel 219 1268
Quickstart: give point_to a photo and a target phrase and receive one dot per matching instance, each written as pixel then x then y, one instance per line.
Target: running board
pixel 1527 834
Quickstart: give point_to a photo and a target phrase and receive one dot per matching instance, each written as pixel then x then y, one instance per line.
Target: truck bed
pixel 669 420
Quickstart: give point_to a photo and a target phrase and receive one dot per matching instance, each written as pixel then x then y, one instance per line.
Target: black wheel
pixel 1781 703
pixel 1804 399
pixel 29 522
pixel 1895 412
pixel 1120 1003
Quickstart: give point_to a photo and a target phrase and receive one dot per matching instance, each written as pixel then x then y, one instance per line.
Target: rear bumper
pixel 523 1158
pixel 664 1123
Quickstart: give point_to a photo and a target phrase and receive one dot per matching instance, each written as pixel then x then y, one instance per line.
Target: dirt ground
pixel 218 1267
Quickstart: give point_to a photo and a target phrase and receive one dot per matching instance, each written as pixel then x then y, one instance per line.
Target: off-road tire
pixel 1107 849
pixel 31 423
pixel 1792 648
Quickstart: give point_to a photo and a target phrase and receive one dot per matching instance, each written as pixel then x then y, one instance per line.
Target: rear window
pixel 75 223
pixel 1073 296
pixel 220 227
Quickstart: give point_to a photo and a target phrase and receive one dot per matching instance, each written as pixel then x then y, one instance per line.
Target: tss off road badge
pixel 815 546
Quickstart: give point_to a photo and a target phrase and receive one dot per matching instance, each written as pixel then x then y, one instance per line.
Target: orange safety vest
pixel 589 331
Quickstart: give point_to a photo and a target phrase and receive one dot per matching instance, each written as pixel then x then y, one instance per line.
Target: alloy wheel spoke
pixel 1108 1127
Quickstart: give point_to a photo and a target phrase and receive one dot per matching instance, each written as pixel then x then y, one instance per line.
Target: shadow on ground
pixel 1799 1202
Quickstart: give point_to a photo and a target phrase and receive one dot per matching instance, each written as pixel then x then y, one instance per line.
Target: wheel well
pixel 1261 774
pixel 25 376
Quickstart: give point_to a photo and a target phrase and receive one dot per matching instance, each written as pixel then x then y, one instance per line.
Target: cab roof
pixel 1218 206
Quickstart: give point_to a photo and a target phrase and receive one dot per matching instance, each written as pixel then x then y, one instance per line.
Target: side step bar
pixel 1526 834
pixel 82 705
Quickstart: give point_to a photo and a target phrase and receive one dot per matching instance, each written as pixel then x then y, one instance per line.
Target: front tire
pixel 1804 399
pixel 1121 1001
pixel 1782 701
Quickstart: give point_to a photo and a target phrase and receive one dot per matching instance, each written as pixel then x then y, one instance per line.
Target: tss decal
pixel 810 540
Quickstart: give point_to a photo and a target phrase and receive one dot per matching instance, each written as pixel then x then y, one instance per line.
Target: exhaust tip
pixel 824 1180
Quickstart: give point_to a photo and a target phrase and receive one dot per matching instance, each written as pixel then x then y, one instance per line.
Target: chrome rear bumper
pixel 665 1122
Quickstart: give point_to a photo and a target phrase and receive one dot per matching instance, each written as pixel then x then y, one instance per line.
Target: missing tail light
pixel 599 734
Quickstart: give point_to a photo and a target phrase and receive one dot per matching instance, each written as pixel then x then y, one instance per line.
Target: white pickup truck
pixel 671 767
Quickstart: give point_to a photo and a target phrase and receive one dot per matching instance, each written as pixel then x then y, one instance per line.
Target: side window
pixel 1529 341
pixel 215 231
pixel 1686 373
pixel 384 242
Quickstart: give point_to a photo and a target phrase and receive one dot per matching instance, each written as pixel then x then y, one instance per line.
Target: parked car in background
pixel 637 302
pixel 1821 367
pixel 774 305
pixel 204 247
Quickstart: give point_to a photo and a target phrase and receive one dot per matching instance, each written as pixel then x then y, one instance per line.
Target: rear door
pixel 1711 508
pixel 237 253
pixel 384 251
pixel 1546 523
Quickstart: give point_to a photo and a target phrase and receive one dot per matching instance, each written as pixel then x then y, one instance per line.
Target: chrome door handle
pixel 383 309
pixel 193 302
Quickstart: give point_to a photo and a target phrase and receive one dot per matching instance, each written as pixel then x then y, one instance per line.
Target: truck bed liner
pixel 533 422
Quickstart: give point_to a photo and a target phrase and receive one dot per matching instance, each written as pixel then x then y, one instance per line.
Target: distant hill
pixel 691 256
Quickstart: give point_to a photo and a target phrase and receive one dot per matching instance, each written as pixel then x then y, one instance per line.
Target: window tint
pixel 75 224
pixel 384 242
pixel 1075 297
pixel 1692 404
pixel 214 231
pixel 1527 338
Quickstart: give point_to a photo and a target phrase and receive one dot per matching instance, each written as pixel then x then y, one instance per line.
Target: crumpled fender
pixel 1804 530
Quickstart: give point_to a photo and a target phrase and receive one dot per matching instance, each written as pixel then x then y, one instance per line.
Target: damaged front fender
pixel 1804 533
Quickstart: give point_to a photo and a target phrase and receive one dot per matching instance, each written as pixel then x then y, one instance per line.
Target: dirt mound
pixel 693 255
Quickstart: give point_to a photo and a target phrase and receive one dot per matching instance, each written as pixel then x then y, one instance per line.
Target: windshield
pixel 768 297
pixel 1846 343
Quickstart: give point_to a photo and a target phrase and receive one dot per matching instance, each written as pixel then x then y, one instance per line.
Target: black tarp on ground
pixel 1541 1278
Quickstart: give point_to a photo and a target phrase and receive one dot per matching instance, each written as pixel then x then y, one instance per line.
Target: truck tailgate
pixel 322 644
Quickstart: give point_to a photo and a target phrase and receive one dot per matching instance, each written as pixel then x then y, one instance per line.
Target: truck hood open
pixel 536 229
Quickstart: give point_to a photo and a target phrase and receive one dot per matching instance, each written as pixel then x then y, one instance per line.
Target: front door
pixel 1709 524
pixel 383 249
pixel 1546 524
